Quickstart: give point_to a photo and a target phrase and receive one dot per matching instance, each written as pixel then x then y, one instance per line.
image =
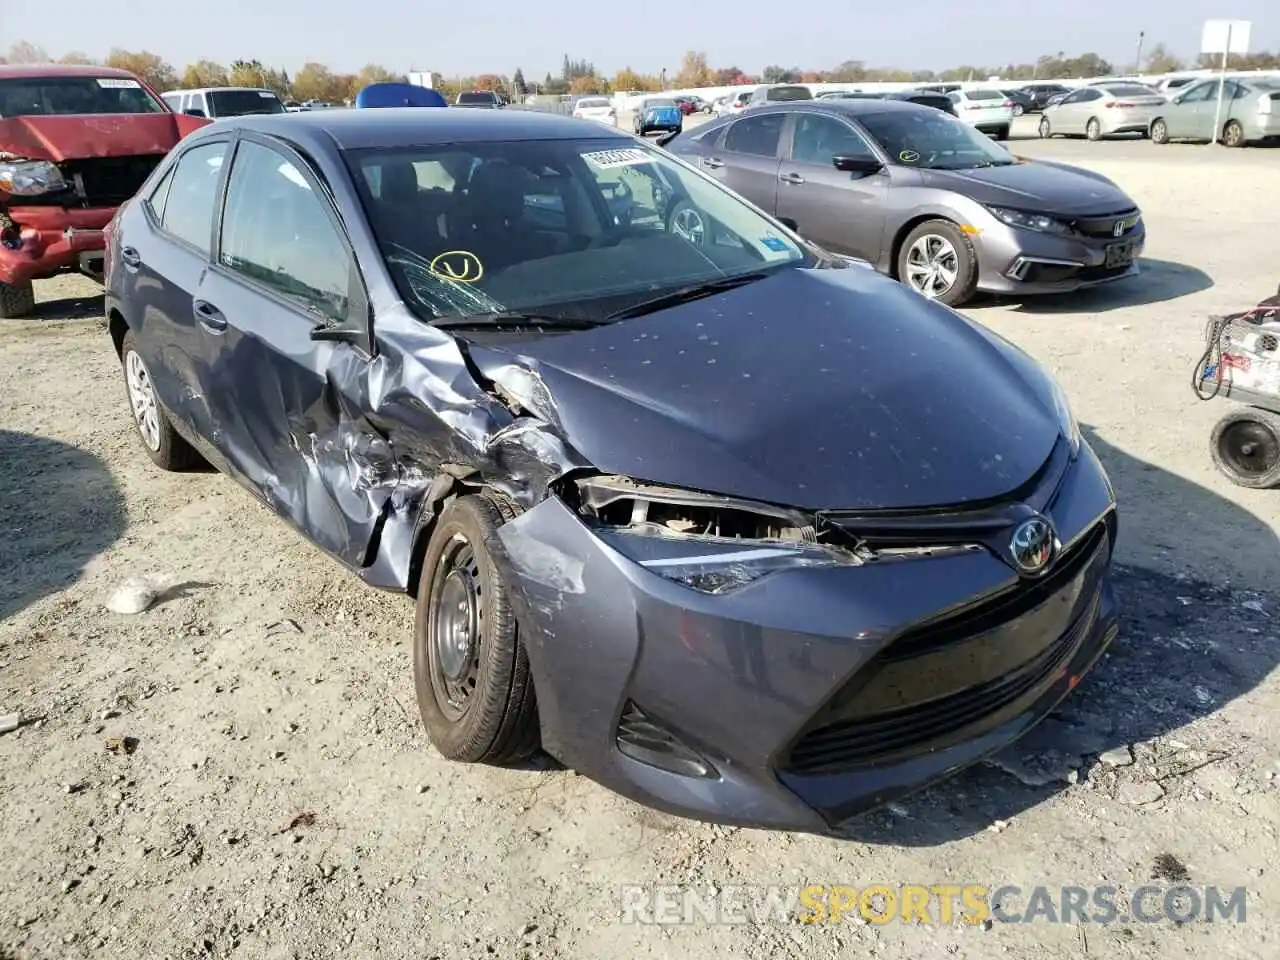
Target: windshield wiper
pixel 516 318
pixel 685 294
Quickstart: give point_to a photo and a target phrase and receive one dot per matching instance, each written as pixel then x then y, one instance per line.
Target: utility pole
pixel 1137 59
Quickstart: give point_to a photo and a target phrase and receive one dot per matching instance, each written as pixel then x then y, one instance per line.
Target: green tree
pixel 1160 60
pixel 775 74
pixel 517 81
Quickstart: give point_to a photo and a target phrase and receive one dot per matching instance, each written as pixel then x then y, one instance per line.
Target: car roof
pixel 853 107
pixel 391 127
pixel 219 90
pixel 27 71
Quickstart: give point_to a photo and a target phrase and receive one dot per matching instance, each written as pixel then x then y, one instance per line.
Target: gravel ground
pixel 240 770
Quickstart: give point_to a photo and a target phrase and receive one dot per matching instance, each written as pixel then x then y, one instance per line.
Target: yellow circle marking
pixel 461 266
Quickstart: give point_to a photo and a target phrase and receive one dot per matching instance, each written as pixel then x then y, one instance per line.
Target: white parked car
pixel 215 102
pixel 600 109
pixel 734 104
pixel 988 110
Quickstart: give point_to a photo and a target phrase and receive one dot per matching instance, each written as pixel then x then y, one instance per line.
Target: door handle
pixel 713 163
pixel 129 256
pixel 790 178
pixel 210 317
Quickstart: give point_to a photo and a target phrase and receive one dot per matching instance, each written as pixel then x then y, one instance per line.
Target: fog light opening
pixel 649 742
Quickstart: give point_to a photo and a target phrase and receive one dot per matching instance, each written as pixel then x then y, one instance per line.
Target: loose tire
pixel 1233 134
pixel 164 446
pixel 1246 447
pixel 1093 129
pixel 937 250
pixel 471 673
pixel 1045 130
pixel 1159 131
pixel 16 300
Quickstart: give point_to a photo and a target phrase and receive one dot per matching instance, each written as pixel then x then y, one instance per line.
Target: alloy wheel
pixel 688 223
pixel 1233 135
pixel 1044 128
pixel 932 266
pixel 142 398
pixel 456 628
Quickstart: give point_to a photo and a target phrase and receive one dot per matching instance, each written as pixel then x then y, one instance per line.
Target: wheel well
pixel 118 326
pixel 901 238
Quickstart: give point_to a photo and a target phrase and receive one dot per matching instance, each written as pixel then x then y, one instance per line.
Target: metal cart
pixel 1241 362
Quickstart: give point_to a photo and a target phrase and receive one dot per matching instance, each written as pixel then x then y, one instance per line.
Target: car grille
pixel 108 181
pixel 1105 225
pixel 840 742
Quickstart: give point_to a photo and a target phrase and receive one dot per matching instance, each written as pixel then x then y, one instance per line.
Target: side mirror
pixel 195 112
pixel 857 164
pixel 790 224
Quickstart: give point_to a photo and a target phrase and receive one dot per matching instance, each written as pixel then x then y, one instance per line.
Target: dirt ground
pixel 272 795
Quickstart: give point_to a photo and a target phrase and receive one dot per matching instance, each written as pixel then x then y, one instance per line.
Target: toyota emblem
pixel 1032 546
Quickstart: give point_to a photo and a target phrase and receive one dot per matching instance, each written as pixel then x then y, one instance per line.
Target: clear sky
pixel 496 37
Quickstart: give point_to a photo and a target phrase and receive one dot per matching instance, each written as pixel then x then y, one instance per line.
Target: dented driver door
pixel 283 269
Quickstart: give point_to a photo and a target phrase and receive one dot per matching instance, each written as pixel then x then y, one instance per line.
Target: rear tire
pixel 1246 447
pixel 16 300
pixel 163 444
pixel 1018 110
pixel 1159 131
pixel 1093 129
pixel 1045 130
pixel 470 670
pixel 1233 134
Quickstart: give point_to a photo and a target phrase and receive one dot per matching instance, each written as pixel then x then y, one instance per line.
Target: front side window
pixel 757 136
pixel 579 228
pixel 933 140
pixel 1201 93
pixel 276 231
pixel 193 193
pixel 57 96
pixel 819 140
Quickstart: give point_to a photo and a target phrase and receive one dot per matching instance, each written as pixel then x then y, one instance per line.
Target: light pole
pixel 1137 59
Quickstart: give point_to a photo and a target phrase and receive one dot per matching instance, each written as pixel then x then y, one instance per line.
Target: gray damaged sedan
pixel 924 197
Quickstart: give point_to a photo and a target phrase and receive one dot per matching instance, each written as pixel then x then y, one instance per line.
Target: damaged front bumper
pixel 42 241
pixel 803 698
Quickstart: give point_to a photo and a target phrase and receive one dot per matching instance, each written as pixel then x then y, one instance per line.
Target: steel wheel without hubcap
pixel 456 628
pixel 1248 449
pixel 142 397
pixel 932 266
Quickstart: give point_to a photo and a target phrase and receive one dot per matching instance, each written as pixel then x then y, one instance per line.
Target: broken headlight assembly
pixel 702 541
pixel 30 178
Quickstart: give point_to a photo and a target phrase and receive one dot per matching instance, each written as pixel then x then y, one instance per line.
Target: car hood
pixel 78 137
pixel 1035 186
pixel 818 389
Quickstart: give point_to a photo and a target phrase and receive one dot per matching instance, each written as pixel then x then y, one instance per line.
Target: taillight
pixel 1008 104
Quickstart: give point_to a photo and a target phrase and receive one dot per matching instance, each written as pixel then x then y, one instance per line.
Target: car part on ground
pixel 1241 362
pixel 1249 113
pixel 861 175
pixel 75 142
pixel 463 362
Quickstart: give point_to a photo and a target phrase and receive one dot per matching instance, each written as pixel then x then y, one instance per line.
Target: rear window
pixel 1129 90
pixel 475 97
pixel 592 102
pixel 48 96
pixel 239 103
pixel 788 93
pixel 984 95
pixel 938 101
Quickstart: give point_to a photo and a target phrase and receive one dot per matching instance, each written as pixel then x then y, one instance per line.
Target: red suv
pixel 75 143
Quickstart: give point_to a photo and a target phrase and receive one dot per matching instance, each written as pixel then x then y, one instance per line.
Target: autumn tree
pixel 627 79
pixel 313 82
pixel 694 71
pixel 148 66
pixel 849 71
pixel 205 73
pixel 76 57
pixel 587 85
pixel 23 52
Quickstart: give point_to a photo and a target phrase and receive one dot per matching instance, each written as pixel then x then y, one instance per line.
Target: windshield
pixel 238 103
pixel 578 228
pixel 592 103
pixel 475 98
pixel 933 140
pixel 44 96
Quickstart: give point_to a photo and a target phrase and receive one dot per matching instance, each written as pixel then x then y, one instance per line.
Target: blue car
pixel 658 115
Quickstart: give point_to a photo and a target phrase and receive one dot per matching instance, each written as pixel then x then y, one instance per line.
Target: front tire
pixel 16 300
pixel 1159 131
pixel 1045 130
pixel 1246 447
pixel 163 444
pixel 470 670
pixel 1093 129
pixel 939 262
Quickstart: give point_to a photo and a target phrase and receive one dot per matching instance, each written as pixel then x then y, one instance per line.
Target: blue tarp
pixel 399 95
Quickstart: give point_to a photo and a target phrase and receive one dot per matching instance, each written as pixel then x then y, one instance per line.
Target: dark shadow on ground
pixel 1186 647
pixel 59 508
pixel 1157 282
pixel 70 308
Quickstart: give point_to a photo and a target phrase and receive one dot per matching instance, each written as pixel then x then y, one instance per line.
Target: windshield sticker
pixel 776 244
pixel 461 266
pixel 266 95
pixel 118 83
pixel 908 156
pixel 608 159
